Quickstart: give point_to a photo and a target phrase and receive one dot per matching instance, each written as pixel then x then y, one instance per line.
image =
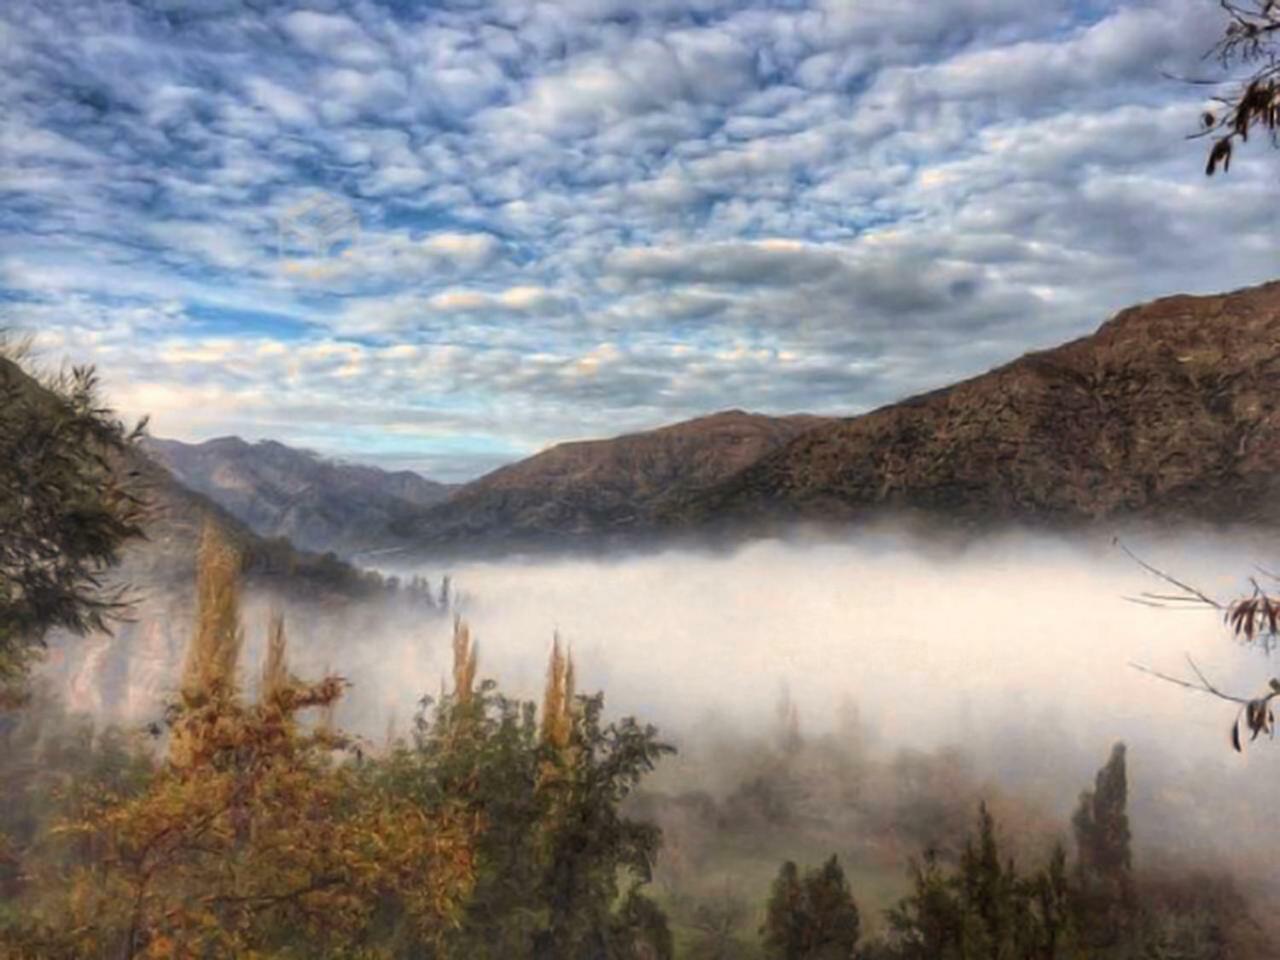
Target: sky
pixel 443 236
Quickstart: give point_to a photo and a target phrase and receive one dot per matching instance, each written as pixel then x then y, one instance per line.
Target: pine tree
pixel 814 918
pixel 1104 859
pixel 833 915
pixel 785 916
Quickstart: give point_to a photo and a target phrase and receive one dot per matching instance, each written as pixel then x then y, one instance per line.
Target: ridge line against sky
pixel 443 236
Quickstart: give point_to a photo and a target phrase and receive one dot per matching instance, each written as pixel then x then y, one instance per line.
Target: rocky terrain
pixel 603 489
pixel 1170 412
pixel 318 504
pixel 1167 413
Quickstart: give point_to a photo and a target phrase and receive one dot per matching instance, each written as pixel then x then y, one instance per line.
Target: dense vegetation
pixel 66 508
pixel 246 829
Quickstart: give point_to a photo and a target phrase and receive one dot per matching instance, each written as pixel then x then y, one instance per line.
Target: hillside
pixel 1170 411
pixel 126 674
pixel 603 488
pixel 175 515
pixel 318 504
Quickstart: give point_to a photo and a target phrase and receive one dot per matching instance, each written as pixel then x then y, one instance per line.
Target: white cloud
pixel 823 204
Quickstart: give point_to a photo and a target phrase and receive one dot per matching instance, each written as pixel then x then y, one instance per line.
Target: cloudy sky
pixel 444 235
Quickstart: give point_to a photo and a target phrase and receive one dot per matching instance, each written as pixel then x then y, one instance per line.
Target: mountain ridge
pixel 1166 411
pixel 584 489
pixel 320 504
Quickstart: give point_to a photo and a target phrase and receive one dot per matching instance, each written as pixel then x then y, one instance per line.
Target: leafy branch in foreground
pixel 67 507
pixel 1250 39
pixel 1252 619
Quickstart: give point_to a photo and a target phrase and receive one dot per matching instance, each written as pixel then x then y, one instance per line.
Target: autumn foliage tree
pixel 253 837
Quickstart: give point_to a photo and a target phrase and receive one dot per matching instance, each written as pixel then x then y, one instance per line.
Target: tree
pixel 984 909
pixel 811 919
pixel 1104 860
pixel 555 851
pixel 67 507
pixel 253 837
pixel 639 930
pixel 1250 40
pixel 1101 824
pixel 718 921
pixel 785 916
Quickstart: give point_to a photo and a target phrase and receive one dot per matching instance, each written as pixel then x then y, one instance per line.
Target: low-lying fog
pixel 1016 649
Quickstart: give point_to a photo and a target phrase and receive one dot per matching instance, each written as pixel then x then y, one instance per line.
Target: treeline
pixel 969 898
pixel 249 826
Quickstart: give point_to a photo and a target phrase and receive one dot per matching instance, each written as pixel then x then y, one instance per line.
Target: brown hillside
pixel 1170 410
pixel 605 486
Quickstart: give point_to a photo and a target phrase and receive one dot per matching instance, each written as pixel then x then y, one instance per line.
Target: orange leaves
pixel 255 835
pixel 1220 153
pixel 258 839
pixel 465 659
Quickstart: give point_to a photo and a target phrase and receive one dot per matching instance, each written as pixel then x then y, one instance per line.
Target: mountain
pixel 175 516
pixel 125 674
pixel 1169 412
pixel 318 504
pixel 602 488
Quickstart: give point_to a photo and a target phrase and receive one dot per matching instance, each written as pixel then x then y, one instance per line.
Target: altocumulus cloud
pixel 532 221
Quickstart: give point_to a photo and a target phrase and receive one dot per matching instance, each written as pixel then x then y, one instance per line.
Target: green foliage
pixel 984 909
pixel 554 842
pixel 66 509
pixel 811 918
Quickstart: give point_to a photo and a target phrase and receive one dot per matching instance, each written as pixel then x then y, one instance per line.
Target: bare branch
pixel 1202 686
pixel 1190 593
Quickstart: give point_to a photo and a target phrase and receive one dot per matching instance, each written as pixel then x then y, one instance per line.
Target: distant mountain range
pixel 1169 412
pixel 126 673
pixel 163 563
pixel 318 504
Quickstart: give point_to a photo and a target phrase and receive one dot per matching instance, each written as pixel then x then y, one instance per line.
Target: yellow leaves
pixel 252 838
pixel 557 700
pixel 275 669
pixel 465 659
pixel 208 676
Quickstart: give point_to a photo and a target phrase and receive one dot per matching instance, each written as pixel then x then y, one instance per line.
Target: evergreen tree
pixel 984 910
pixel 834 923
pixel 785 916
pixel 811 919
pixel 1104 859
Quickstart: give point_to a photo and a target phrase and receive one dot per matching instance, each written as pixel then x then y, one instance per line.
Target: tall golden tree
pixel 250 840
